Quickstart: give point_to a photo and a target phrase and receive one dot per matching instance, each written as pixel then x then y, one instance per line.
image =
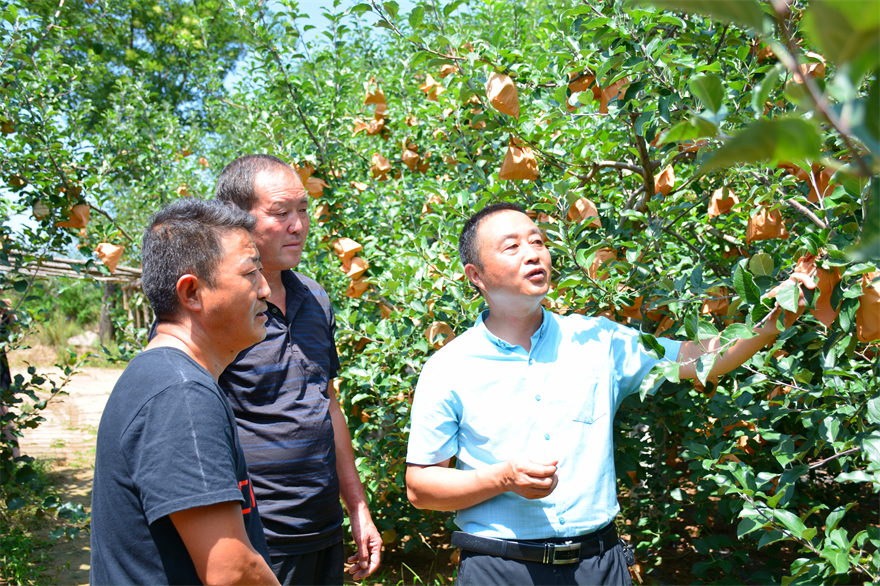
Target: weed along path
pixel 67 440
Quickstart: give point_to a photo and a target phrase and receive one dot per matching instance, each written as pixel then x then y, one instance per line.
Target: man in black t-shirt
pixel 172 501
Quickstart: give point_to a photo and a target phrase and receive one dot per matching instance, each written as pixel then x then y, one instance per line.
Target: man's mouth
pixel 536 275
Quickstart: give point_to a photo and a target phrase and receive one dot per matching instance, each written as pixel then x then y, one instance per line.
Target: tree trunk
pixel 105 326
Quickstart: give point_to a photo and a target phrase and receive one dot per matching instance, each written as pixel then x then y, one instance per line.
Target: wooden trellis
pixel 127 278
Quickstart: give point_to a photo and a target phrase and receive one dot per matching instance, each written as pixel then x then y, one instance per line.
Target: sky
pixel 313 11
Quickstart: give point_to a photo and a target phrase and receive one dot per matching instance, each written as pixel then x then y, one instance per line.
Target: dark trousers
pixel 322 567
pixel 477 569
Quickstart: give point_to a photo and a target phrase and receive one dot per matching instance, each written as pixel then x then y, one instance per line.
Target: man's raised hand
pixel 529 479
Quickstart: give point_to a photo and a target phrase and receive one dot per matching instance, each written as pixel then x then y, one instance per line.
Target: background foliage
pixel 122 106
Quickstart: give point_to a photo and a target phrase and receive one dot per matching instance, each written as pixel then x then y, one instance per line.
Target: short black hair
pixel 184 238
pixel 468 247
pixel 236 181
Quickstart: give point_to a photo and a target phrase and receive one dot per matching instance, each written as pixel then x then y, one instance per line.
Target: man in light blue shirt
pixel 525 400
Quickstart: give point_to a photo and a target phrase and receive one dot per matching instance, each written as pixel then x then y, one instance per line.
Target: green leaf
pixel 691 129
pixel 450 8
pixel 650 380
pixel 835 516
pixel 777 139
pixel 652 346
pixel 874 410
pixel 857 476
pixel 762 91
pixel 871 448
pixel 871 123
pixel 787 296
pixel 745 285
pixel 15 503
pixel 705 364
pixel 391 7
pixel 736 332
pixel 770 537
pixel 748 525
pixel 670 371
pixel 790 521
pixel 743 12
pixel 839 559
pixel 761 265
pixel 784 452
pixel 863 118
pixel 845 30
pixel 416 16
pixel 360 9
pixel 691 326
pixel 709 89
pixel 868 247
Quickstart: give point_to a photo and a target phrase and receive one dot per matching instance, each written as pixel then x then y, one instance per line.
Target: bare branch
pixel 802 209
pixel 821 463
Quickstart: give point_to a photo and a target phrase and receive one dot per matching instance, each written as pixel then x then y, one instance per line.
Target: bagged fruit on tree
pixel 502 94
pixel 519 163
pixel 109 254
pixel 767 224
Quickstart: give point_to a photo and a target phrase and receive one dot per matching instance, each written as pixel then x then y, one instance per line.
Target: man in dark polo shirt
pixel 294 434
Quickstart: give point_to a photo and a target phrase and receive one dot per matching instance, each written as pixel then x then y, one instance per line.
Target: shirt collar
pixel 296 292
pixel 498 342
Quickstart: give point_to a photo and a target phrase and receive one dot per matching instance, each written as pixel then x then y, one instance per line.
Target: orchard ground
pixel 67 440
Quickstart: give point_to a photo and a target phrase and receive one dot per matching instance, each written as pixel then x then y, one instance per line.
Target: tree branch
pixel 802 209
pixel 821 463
pixel 715 268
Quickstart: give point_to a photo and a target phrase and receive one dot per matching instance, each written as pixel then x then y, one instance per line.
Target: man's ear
pixel 473 275
pixel 189 292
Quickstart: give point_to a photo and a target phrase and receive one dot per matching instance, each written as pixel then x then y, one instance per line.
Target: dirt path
pixel 67 439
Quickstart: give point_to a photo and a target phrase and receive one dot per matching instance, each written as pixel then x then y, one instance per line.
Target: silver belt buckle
pixel 564 553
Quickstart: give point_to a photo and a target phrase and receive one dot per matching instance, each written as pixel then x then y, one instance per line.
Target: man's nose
pixel 296 225
pixel 531 255
pixel 264 292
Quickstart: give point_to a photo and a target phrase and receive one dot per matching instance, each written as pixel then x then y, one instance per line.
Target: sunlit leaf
pixel 868 246
pixel 709 89
pixel 844 29
pixel 763 140
pixel 743 12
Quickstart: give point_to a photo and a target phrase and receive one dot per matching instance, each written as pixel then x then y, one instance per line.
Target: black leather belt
pixel 546 551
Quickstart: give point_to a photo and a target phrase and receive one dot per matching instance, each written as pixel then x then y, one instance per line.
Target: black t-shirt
pixel 167 442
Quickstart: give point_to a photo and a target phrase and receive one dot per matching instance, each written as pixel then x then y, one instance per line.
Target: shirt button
pixel 537 397
pixel 546 436
pixel 561 520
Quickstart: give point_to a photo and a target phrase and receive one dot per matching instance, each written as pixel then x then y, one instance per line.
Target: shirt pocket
pixel 591 409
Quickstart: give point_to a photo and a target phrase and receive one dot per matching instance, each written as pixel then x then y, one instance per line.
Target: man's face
pixel 515 261
pixel 237 302
pixel 282 217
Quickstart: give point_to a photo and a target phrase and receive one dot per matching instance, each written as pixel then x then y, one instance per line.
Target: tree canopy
pixel 682 158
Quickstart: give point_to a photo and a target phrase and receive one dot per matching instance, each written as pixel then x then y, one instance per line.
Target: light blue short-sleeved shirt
pixel 486 401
